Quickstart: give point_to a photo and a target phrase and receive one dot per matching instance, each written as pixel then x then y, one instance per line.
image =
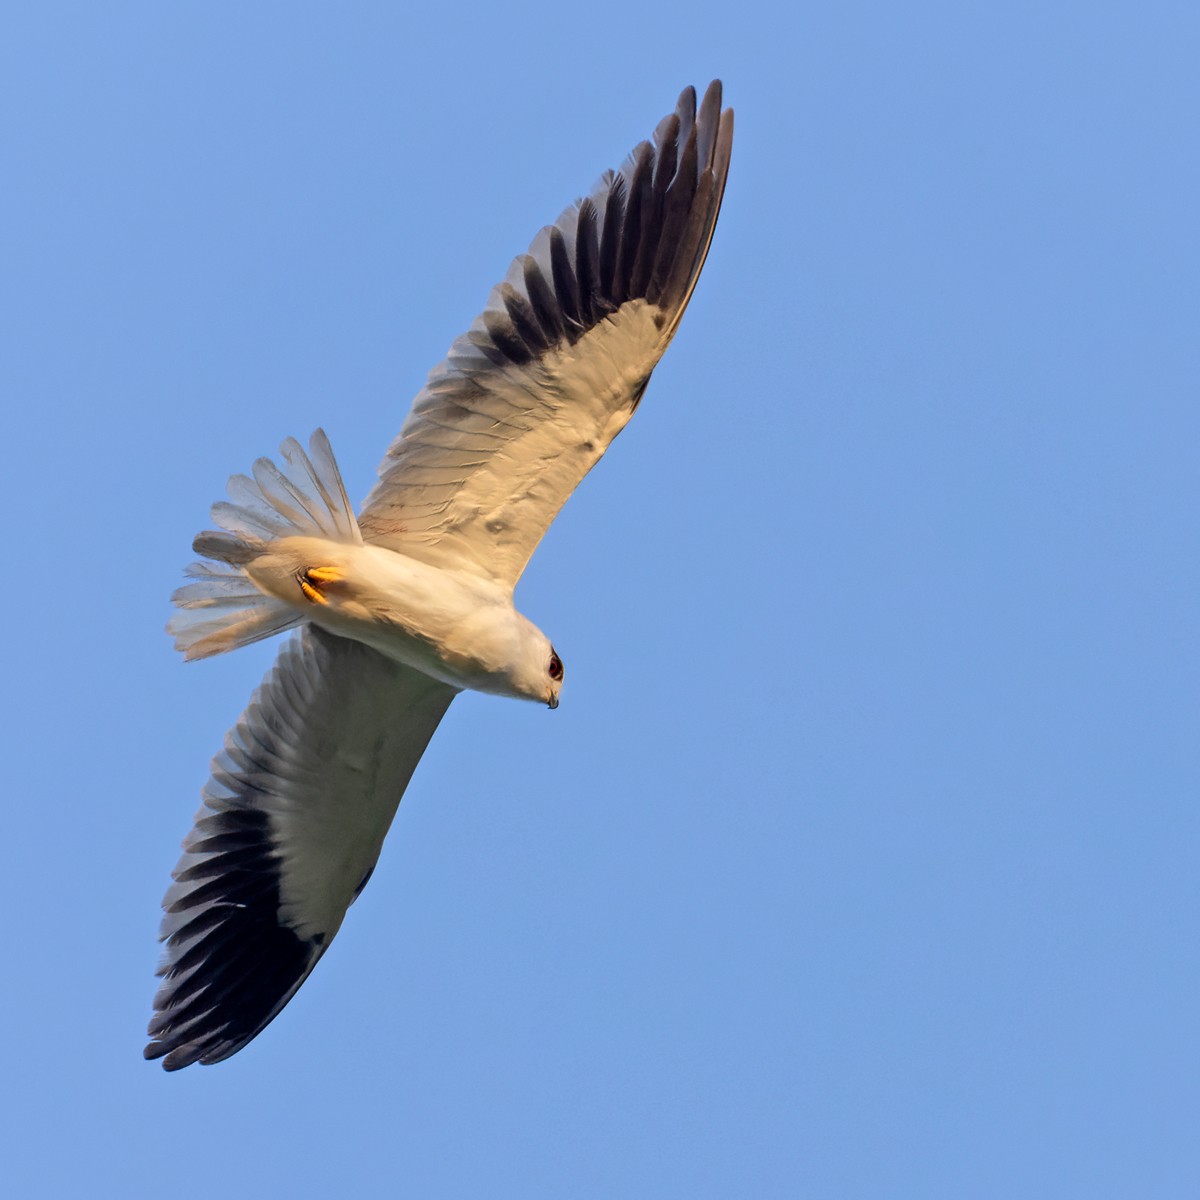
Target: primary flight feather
pixel 402 607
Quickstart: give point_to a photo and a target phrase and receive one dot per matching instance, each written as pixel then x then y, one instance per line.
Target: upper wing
pixel 530 397
pixel 291 826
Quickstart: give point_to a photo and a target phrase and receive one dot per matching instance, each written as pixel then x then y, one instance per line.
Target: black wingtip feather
pixel 649 220
pixel 524 321
pixel 686 265
pixel 636 202
pixel 676 206
pixel 643 234
pixel 614 213
pixel 666 142
pixel 685 110
pixel 587 258
pixel 541 300
pixel 505 337
pixel 233 965
pixel 707 120
pixel 565 286
pixel 480 340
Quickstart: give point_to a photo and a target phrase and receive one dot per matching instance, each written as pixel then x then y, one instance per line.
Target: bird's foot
pixel 314 580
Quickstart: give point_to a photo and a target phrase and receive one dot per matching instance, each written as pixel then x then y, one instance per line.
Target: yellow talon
pixel 324 574
pixel 311 592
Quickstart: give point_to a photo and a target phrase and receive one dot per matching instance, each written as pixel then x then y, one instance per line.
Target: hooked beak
pixel 552 702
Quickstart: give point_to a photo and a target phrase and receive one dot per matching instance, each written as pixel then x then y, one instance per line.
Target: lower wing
pixel 293 819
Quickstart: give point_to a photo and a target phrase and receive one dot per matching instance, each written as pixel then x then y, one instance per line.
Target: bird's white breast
pixel 455 627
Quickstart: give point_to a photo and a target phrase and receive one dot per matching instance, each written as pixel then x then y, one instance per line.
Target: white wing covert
pixel 291 826
pixel 531 396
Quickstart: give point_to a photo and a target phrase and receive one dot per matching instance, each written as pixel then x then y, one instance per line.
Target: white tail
pixel 221 608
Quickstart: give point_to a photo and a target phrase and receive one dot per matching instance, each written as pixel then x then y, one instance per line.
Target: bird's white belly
pixel 451 626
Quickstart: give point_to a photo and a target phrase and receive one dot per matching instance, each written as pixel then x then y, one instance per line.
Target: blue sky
pixel 861 857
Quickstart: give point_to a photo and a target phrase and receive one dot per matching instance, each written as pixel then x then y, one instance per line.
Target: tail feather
pixel 221 608
pixel 243 514
pixel 322 469
pixel 221 612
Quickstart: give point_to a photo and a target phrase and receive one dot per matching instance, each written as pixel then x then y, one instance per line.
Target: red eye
pixel 556 667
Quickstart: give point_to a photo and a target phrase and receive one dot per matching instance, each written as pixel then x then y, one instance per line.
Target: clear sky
pixel 861 857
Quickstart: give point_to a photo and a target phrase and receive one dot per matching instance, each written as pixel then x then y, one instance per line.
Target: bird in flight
pixel 398 609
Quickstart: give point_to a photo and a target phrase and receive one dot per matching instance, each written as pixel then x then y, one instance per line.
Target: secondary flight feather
pixel 401 607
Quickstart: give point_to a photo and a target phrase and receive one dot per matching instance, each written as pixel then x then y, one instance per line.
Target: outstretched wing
pixel 291 826
pixel 529 399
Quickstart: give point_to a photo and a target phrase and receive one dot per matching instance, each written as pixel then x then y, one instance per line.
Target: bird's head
pixel 539 673
pixel 516 658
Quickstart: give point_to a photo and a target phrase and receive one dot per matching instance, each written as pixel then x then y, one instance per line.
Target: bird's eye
pixel 556 667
